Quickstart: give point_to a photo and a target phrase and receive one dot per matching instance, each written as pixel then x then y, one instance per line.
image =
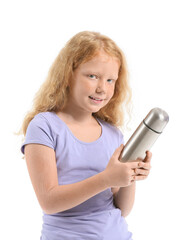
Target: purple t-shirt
pixel 97 218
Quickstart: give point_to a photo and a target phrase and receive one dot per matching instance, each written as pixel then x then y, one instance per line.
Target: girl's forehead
pixel 101 64
pixel 101 59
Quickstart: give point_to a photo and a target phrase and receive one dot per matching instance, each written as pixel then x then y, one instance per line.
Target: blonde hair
pixel 53 93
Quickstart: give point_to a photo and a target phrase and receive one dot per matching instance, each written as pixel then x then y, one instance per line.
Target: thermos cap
pixel 156 119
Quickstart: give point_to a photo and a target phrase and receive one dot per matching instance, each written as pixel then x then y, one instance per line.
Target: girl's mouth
pixel 96 100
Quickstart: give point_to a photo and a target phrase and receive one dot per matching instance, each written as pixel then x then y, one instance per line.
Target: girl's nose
pixel 101 87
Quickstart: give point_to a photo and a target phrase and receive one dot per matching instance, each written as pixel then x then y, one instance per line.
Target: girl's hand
pixel 120 174
pixel 145 166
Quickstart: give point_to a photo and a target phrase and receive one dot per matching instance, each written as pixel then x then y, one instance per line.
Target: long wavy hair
pixel 53 93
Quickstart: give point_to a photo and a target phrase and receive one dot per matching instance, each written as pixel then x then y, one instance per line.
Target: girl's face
pixel 94 79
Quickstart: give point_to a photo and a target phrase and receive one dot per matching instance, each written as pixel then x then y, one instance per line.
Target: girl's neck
pixel 73 118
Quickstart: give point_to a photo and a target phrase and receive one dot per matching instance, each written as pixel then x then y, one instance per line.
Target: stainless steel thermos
pixel 145 135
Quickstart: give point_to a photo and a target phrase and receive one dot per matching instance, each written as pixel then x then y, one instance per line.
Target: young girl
pixel 72 143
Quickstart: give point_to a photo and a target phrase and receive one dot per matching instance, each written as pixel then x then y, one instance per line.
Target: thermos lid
pixel 156 119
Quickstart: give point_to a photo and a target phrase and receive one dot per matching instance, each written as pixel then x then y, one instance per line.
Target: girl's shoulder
pixel 40 131
pixel 49 117
pixel 43 115
pixel 47 122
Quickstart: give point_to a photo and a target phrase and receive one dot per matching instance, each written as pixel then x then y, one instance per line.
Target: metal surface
pixel 145 135
pixel 156 119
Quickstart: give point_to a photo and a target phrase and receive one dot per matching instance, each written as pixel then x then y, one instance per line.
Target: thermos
pixel 145 135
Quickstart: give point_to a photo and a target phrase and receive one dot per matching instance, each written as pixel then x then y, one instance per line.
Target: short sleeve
pixel 39 131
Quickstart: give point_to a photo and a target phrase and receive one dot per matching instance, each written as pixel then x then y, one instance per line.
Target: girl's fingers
pixel 133 172
pixel 140 169
pixel 137 164
pixel 139 177
pixel 145 165
pixel 141 172
pixel 148 156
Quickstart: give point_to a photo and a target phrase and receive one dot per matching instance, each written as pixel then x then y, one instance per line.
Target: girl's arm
pixel 53 198
pixel 124 198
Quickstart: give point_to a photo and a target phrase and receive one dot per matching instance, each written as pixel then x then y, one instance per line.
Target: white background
pixel 152 36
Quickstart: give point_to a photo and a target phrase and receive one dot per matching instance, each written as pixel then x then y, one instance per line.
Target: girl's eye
pixel 92 76
pixel 110 80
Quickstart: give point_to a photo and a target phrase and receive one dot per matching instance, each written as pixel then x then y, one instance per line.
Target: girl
pixel 73 144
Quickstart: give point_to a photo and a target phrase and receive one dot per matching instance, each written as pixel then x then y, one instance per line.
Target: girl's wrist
pixel 105 179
